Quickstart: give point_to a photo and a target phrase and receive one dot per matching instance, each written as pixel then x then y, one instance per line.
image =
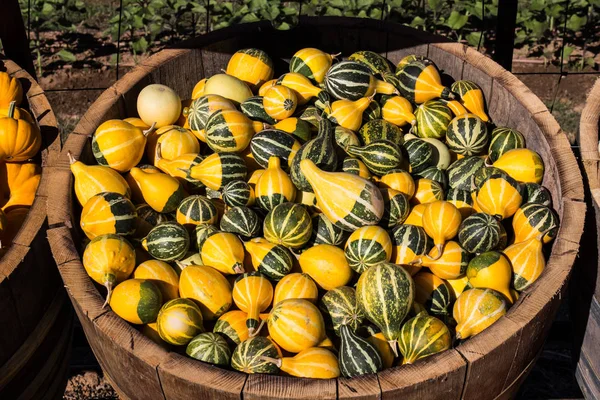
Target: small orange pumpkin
pixel 20 140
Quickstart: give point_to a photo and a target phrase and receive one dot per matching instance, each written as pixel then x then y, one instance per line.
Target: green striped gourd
pixel 533 219
pixel 108 212
pixel 435 174
pixel 202 232
pixel 228 131
pixel 209 347
pixel 409 243
pixel 503 140
pixel 442 154
pixel 375 337
pixel 273 142
pixel 471 97
pixel 179 321
pixel 373 112
pixel 482 174
pixel 423 336
pixel 433 293
pixel 378 64
pixel 288 224
pixel 355 166
pixel 397 208
pixel 241 221
pixel 218 169
pixel 202 108
pixel 357 356
pixel 168 241
pixel 320 151
pixel 253 294
pixel 232 326
pixel 378 129
pixel 461 173
pixel 420 82
pixel 248 356
pixel 477 309
pixel 254 109
pixel 467 135
pixel 195 210
pixel 273 260
pixel 421 154
pixel 385 293
pixel 368 246
pixel 296 127
pixel 325 232
pixel 340 305
pixel 237 193
pixel 380 156
pixel 535 193
pixel 347 200
pixel 274 186
pixel 527 261
pixel 479 233
pixel 311 115
pixel 349 80
pixel 433 118
pixel 345 137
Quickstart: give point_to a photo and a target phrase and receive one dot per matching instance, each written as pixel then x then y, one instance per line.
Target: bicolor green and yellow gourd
pixel 108 212
pixel 273 260
pixel 137 301
pixel 476 310
pixel 224 252
pixel 296 325
pixel 368 246
pixel 252 293
pixel 423 336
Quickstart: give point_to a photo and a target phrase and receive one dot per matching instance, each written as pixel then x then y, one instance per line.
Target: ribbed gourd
pixel 398 111
pixel 160 191
pixel 232 325
pixel 491 270
pixel 162 275
pixel 380 156
pixel 357 356
pixel 296 127
pixel 325 232
pixel 108 212
pixel 168 241
pixel 433 293
pixel 477 309
pixel 252 293
pixel 421 155
pixel 119 144
pixel 326 265
pixel 288 224
pixel 499 196
pixel 93 179
pixel 472 98
pixel 441 221
pixel 312 63
pixel 341 307
pixel 272 260
pixel 202 108
pixel 137 301
pixel 399 180
pixel 20 139
pixel 252 66
pixel 209 347
pixel 196 210
pixel 348 113
pixel 254 109
pixel 242 221
pixel 396 208
pixel 228 131
pixel 479 233
pixel 503 140
pixel 238 194
pixel 179 321
pixel 462 172
pixel 433 119
pixel 409 242
pixel 420 81
pixel 347 200
pixel 296 325
pixel 218 169
pixel 527 261
pixel 10 90
pixel 249 356
pixel 208 288
pixel 523 165
pixel 423 336
pixel 314 362
pixel 385 293
pixel 108 260
pixel 368 246
pixel 274 186
pixel 378 129
pixel 349 80
pixel 467 135
pixel 274 143
pixel 319 151
pixel 532 220
pixel 296 286
pixel 224 252
pixel 303 88
pixel 280 102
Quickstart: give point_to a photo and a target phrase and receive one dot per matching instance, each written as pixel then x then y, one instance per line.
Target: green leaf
pixel 249 18
pixel 575 23
pixel 364 4
pixel 555 11
pixel 140 45
pixel 537 5
pixel 417 21
pixel 473 38
pixel 435 5
pixel 456 20
pixel 341 4
pixel 590 62
pixel 567 51
pixel 537 28
pixel 333 12
pixel 48 9
pixel 521 37
pixel 66 56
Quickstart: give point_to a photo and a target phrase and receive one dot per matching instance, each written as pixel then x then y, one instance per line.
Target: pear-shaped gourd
pixel 320 151
pixel 491 270
pixel 420 81
pixel 327 265
pixel 218 169
pixel 347 200
pixel 162 192
pixel 532 219
pixel 175 141
pixel 441 221
pixel 527 261
pixel 119 144
pixel 398 111
pixel 498 195
pixel 274 186
pixel 357 355
pixel 450 265
pixel 314 362
pixel 477 309
pixel 312 63
pixel 303 87
pixel 224 252
pixel 347 113
pixel 93 179
pixel 423 336
pixel 296 325
pixel 252 293
pixel 380 156
pixel 177 168
pixel 472 97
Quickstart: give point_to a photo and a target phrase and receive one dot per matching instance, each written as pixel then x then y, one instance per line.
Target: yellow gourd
pixel 208 288
pixel 135 121
pixel 179 321
pixel 399 180
pixel 477 309
pixel 93 179
pixel 491 270
pixel 301 85
pixel 136 194
pixel 224 252
pixel 19 113
pixel 252 66
pixel 441 221
pixel 137 301
pixel 427 191
pixel 313 63
pixel 296 286
pixel 162 275
pixel 347 113
pixel 266 86
pixel 415 217
pixel 274 186
pixel 198 90
pixel 296 325
pixel 383 348
pixel 527 261
pixel 10 90
pixel 22 187
pixel 523 165
pixel 20 140
pixel 499 196
pixel 280 102
pixel 253 294
pixel 177 168
pixel 450 265
pixel 327 265
pixel 160 191
pixel 314 362
pixel 398 111
pixel 455 106
pixel 458 285
pixel 174 140
pixel 232 325
pixel 109 260
pixel 347 200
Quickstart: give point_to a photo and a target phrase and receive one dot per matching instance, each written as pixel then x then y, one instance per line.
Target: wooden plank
pixel 268 387
pixel 449 57
pixel 588 366
pixel 365 387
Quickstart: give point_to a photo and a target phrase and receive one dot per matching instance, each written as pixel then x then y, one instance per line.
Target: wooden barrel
pixel 36 318
pixel 487 366
pixel 585 293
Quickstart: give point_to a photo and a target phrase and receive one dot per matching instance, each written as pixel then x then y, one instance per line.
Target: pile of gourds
pixel 338 220
pixel 20 142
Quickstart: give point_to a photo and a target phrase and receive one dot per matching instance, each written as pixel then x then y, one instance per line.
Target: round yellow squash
pixel 208 287
pixel 296 325
pixel 296 286
pixel 327 265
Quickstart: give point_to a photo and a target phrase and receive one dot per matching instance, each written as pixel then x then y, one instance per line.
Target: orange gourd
pixel 20 140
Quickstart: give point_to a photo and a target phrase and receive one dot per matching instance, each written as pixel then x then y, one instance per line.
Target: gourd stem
pixel 334 56
pixel 108 285
pixel 276 361
pixel 394 345
pixel 11 109
pixel 150 130
pixel 72 159
pixel 440 248
pixel 417 262
pixel 158 154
